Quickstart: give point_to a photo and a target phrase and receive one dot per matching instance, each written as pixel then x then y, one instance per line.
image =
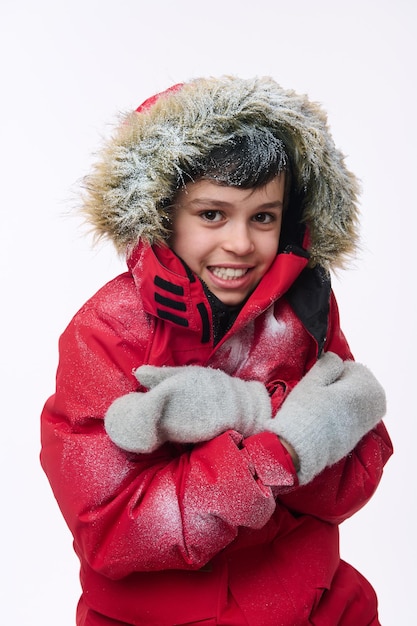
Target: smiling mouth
pixel 228 273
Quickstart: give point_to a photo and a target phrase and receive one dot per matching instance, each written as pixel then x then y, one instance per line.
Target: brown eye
pixel 263 218
pixel 211 216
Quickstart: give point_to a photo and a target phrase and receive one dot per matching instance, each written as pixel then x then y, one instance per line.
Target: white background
pixel 67 70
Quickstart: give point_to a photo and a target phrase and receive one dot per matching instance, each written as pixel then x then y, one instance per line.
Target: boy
pixel 209 429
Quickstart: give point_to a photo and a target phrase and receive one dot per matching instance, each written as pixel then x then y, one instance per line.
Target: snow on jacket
pixel 167 538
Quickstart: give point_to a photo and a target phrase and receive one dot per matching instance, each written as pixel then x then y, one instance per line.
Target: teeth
pixel 228 273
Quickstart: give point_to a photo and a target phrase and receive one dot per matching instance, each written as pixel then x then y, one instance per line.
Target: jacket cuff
pixel 272 463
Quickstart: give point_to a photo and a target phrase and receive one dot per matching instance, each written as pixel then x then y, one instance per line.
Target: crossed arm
pixel 321 420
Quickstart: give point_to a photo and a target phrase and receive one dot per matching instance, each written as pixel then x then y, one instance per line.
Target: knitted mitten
pixel 326 414
pixel 323 418
pixel 186 405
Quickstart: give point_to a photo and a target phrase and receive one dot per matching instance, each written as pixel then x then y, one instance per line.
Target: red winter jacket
pixel 218 531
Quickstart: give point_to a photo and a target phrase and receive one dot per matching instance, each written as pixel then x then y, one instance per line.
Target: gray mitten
pixel 185 405
pixel 328 412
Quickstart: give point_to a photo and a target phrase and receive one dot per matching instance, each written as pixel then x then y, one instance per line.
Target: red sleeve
pixel 341 490
pixel 175 508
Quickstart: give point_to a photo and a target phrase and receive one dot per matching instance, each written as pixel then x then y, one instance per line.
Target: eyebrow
pixel 222 203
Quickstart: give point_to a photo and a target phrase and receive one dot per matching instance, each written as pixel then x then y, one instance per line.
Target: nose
pixel 238 239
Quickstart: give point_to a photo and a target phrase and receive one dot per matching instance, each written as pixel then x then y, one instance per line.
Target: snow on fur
pixel 140 166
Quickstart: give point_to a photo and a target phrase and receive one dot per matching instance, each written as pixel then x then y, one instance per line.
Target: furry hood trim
pixel 141 166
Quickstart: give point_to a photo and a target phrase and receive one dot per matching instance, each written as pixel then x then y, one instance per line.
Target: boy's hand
pixel 185 404
pixel 328 412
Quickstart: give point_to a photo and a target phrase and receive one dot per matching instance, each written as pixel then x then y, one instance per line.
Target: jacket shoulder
pixel 117 303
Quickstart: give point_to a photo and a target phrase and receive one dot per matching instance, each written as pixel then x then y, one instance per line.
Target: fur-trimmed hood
pixel 140 166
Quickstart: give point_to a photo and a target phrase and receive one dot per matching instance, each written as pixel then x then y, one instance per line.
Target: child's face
pixel 228 236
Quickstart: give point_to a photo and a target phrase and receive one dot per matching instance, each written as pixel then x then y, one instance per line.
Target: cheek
pixel 268 247
pixel 190 247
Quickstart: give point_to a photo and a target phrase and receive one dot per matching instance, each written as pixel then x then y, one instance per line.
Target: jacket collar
pixel 171 292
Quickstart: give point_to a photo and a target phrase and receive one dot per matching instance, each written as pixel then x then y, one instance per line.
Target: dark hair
pixel 245 160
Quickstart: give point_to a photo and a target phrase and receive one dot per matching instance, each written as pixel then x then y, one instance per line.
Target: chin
pixel 230 300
